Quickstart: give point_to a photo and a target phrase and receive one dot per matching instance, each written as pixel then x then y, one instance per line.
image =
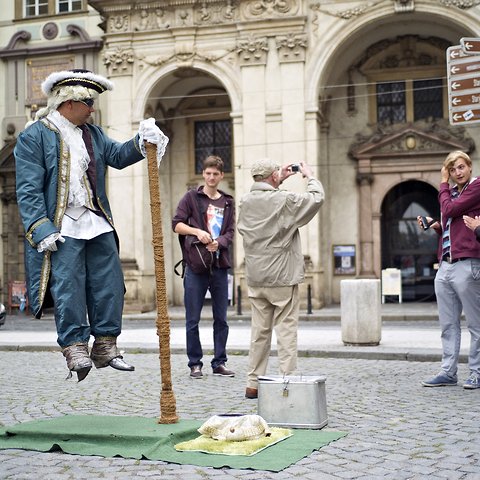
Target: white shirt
pixel 78 222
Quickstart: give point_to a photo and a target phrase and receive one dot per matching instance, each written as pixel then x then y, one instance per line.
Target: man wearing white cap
pixel 269 221
pixel 71 253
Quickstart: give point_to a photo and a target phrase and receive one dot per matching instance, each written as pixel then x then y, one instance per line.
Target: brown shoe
pixel 196 371
pixel 223 372
pixel 105 353
pixel 251 393
pixel 77 360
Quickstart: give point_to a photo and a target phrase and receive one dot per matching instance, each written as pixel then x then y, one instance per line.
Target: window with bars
pixel 409 100
pixel 213 138
pixel 391 106
pixel 427 99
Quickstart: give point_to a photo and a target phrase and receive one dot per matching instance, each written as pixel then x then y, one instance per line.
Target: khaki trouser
pixel 273 308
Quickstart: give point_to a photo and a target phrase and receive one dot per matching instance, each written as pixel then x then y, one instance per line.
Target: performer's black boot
pixel 78 360
pixel 105 353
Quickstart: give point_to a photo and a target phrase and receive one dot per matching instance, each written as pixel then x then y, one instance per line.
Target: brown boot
pixel 78 360
pixel 105 353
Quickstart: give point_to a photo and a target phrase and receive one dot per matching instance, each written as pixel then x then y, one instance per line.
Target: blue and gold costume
pixel 42 171
pixel 71 252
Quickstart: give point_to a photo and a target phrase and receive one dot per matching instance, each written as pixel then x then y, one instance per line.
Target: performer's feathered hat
pixel 76 77
pixel 76 84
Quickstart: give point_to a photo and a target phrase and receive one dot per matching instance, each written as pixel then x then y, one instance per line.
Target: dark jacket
pixel 463 242
pixel 190 213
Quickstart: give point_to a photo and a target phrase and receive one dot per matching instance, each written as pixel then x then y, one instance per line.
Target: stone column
pixel 365 180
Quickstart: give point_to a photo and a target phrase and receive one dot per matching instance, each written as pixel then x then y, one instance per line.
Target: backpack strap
pixel 175 268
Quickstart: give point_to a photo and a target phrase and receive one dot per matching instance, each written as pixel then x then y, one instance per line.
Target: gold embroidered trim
pixel 44 276
pixel 88 187
pixel 63 180
pixel 29 234
pixel 136 144
pixel 107 216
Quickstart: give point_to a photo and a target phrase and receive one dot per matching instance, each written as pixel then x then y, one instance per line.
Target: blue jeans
pixel 196 286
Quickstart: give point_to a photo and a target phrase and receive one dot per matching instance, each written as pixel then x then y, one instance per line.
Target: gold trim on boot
pixel 78 360
pixel 105 353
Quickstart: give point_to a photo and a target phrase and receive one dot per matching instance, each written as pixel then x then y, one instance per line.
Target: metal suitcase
pixel 293 401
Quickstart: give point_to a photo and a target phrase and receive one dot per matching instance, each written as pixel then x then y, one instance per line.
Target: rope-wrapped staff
pixel 167 397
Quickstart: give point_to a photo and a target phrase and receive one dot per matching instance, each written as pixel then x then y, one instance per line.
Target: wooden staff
pixel 167 397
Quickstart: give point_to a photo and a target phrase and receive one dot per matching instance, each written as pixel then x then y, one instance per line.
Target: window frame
pixel 53 10
pixel 408 76
pixel 205 120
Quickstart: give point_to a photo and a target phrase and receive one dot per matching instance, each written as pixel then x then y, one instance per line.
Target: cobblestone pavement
pixel 396 428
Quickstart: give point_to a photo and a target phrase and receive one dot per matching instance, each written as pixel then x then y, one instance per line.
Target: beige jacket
pixel 269 220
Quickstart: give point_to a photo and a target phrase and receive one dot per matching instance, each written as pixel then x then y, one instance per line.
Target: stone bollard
pixel 361 317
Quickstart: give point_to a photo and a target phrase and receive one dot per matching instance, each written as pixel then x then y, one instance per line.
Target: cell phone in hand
pixel 425 224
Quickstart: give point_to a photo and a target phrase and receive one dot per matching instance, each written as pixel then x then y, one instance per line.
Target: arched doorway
pixel 404 245
pixel 194 108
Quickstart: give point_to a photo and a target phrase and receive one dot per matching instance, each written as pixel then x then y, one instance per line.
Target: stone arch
pixel 334 124
pixel 169 93
pixel 153 77
pixel 324 60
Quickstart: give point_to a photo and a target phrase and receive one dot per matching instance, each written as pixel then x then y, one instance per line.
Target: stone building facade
pixel 358 89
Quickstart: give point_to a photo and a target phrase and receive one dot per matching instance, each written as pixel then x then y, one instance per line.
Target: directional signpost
pixel 470 45
pixel 463 76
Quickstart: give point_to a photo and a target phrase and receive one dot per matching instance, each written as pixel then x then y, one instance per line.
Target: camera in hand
pixel 295 167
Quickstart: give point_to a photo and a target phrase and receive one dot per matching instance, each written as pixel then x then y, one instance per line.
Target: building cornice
pixel 18 46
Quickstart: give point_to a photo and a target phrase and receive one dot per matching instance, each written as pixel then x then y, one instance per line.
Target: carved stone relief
pixel 403 6
pixel 185 54
pixel 50 30
pixel 118 23
pixel 269 8
pixel 252 50
pixel 222 12
pixel 421 136
pixel 184 15
pixel 404 51
pixel 462 4
pixel 143 17
pixel 346 14
pixel 291 47
pixel 119 61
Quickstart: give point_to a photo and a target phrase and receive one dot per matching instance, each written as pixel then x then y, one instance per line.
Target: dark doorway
pixel 404 244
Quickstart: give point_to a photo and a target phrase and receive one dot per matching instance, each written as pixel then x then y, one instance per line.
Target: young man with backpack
pixel 205 222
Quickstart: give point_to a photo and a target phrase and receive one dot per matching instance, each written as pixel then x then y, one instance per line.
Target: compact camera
pixel 295 167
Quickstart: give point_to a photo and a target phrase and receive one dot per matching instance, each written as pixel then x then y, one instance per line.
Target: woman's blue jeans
pixel 196 286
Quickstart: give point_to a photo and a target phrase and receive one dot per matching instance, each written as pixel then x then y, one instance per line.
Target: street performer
pixel 71 251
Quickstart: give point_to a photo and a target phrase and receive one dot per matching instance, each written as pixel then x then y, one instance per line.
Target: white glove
pixel 149 132
pixel 49 243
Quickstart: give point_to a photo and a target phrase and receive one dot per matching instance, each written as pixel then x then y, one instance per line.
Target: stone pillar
pixel 365 181
pixel 361 318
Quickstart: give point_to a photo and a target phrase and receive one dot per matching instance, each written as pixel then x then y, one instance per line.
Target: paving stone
pixel 396 429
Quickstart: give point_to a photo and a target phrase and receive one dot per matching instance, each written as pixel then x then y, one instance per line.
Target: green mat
pixel 139 437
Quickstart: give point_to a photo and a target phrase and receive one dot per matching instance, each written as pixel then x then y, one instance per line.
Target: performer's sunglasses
pixel 88 102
